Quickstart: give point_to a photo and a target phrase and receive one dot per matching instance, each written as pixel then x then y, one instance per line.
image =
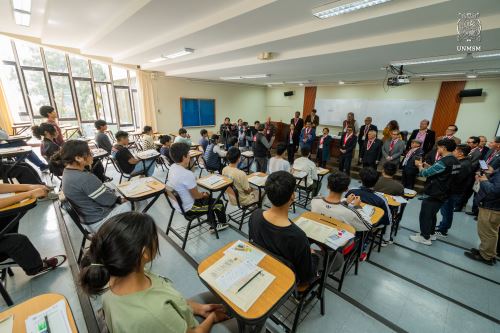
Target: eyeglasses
pixel 470 141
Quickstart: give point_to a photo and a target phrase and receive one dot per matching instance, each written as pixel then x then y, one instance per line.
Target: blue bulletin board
pixel 197 112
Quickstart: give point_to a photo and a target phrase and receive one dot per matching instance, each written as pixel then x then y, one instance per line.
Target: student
pixel 410 171
pixel 47 133
pixel 136 300
pixel 232 142
pixel 128 163
pixel 246 194
pixel 166 141
pixel 261 149
pixel 277 162
pixel 183 137
pixel 347 145
pixel 426 136
pixel 32 157
pixel 437 189
pixel 47 111
pixel 348 210
pixel 147 138
pixel 273 231
pixel 101 138
pixel 369 178
pixel 292 142
pixel 93 200
pixel 372 150
pixel 323 153
pixel 363 135
pixel 184 182
pixel 457 188
pixel 214 153
pixel 203 142
pixel 16 246
pixel 393 148
pixel 304 164
pixel 307 136
pixel 386 184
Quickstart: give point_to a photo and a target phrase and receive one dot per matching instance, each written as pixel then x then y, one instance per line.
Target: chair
pixel 243 211
pixel 123 174
pixel 351 253
pixel 304 192
pixel 5 268
pixel 206 167
pixel 174 197
pixel 78 220
pixel 163 161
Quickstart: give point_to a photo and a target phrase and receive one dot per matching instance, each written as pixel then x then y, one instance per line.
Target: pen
pixel 47 323
pixel 246 283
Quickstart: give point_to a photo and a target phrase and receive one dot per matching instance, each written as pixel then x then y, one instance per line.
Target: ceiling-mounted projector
pixel 398 80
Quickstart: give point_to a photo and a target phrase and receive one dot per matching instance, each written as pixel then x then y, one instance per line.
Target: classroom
pixel 273 166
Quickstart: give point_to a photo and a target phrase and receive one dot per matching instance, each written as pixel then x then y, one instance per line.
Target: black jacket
pixel 428 143
pixel 489 193
pixel 410 167
pixel 361 134
pixel 349 145
pixel 438 186
pixel 374 154
pixel 462 179
pixel 299 126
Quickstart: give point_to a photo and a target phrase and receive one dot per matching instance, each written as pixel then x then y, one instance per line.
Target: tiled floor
pixel 435 289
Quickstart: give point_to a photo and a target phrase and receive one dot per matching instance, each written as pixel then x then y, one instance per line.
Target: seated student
pixel 244 137
pixel 183 137
pixel 48 147
pixel 277 162
pixel 369 177
pixel 136 300
pixel 304 164
pixel 16 246
pixel 91 197
pixel 347 210
pixel 386 184
pixel 147 138
pixel 128 163
pixel 214 153
pixel 273 231
pixel 323 153
pixel 165 141
pixel 47 111
pixel 247 195
pixel 101 138
pixel 232 142
pixel 203 142
pixel 183 181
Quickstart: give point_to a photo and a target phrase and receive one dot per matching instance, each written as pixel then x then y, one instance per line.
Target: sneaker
pixel 479 257
pixel 52 263
pixel 440 234
pixel 219 227
pixel 419 239
pixel 474 251
pixel 433 237
pixel 362 256
pixel 387 242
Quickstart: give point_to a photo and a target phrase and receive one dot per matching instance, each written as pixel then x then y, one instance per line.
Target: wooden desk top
pixel 226 181
pixel 99 152
pixel 258 174
pixel 194 153
pixel 155 185
pixel 323 171
pixel 24 203
pixel 247 153
pixel 15 151
pixel 281 285
pixel 326 220
pixel 148 154
pixel 25 137
pixel 34 305
pixel 391 201
pixel 410 195
pixel 378 213
pixel 69 127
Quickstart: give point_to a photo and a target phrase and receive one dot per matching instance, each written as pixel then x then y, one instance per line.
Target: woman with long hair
pixel 391 126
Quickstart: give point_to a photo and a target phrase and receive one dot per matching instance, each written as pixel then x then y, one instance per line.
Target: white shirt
pixel 308 166
pixel 347 214
pixel 182 180
pixel 278 164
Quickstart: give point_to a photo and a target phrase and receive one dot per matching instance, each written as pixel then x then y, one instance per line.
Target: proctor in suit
pixel 307 136
pixel 292 142
pixel 297 122
pixel 372 150
pixel 410 170
pixel 450 134
pixel 347 145
pixel 393 148
pixel 313 119
pixel 424 135
pixel 323 153
pixel 363 134
pixel 473 156
pixel 482 146
pixel 270 129
pixel 493 157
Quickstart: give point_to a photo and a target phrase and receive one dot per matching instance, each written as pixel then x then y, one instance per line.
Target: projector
pixel 399 80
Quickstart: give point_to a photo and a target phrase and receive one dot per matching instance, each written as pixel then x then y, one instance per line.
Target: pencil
pixel 251 279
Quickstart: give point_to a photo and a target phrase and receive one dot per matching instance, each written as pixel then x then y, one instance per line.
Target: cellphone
pixel 483 165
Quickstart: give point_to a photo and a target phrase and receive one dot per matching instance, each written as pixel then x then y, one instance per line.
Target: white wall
pixel 283 108
pixel 231 100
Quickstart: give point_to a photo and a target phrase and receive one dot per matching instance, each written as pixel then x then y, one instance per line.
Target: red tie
pixel 391 145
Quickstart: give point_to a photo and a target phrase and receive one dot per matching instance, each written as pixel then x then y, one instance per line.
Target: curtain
pixel 5 117
pixel 146 99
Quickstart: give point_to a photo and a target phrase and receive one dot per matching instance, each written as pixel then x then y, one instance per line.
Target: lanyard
pixel 369 144
pixel 346 138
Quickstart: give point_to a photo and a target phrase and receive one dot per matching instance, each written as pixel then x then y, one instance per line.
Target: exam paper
pixel 257 180
pixel 134 188
pixel 147 154
pixel 57 319
pixel 6 195
pixel 410 192
pixel 7 324
pixel 314 230
pixel 245 252
pixel 368 210
pixel 211 180
pixel 399 199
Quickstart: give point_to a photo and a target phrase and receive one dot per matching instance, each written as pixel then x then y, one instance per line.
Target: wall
pixel 283 108
pixel 232 100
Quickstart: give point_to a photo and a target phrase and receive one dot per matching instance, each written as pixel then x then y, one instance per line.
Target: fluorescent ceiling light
pixel 341 82
pixel 343 7
pixel 486 54
pixel 231 78
pixel 440 74
pixel 429 60
pixel 22 5
pixel 299 82
pixel 22 18
pixel 274 83
pixel 255 76
pixel 489 71
pixel 471 75
pixel 182 53
pixel 157 59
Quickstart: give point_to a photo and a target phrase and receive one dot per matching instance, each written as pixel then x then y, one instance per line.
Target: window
pixel 37 89
pixel 124 107
pixel 135 101
pixel 56 61
pixel 119 76
pixel 100 72
pixel 133 79
pixel 6 49
pixel 79 66
pixel 85 99
pixel 12 89
pixel 62 96
pixel 29 55
pixel 104 102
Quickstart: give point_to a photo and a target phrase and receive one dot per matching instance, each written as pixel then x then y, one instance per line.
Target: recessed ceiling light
pixel 428 60
pixel 489 71
pixel 22 5
pixel 157 59
pixel 471 75
pixel 440 74
pixel 231 78
pixel 255 76
pixel 343 7
pixel 182 53
pixel 22 18
pixel 341 82
pixel 486 54
pixel 275 83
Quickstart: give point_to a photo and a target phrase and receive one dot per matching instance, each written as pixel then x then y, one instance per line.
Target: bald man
pixel 424 135
pixel 363 135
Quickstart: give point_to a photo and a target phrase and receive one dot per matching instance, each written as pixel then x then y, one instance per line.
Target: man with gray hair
pixel 425 135
pixel 410 171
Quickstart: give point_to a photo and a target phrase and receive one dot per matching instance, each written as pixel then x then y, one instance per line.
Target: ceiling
pixel 228 35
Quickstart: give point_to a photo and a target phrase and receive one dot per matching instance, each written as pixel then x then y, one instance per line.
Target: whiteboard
pixel 408 113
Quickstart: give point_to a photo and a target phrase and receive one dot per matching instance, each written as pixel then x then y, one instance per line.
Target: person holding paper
pixel 246 194
pixel 386 184
pixel 136 300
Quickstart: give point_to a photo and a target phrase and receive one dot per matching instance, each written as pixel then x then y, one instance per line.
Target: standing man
pixel 270 129
pixel 307 136
pixel 297 122
pixel 261 149
pixel 255 128
pixel 473 156
pixel 50 113
pixel 488 222
pixel 410 170
pixel 313 119
pixel 482 147
pixel 437 187
pixel 226 130
pixel 493 157
pixel 292 142
pixel 363 134
pixel 424 135
pixel 450 133
pixel 393 149
pixel 347 145
pixel 372 150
